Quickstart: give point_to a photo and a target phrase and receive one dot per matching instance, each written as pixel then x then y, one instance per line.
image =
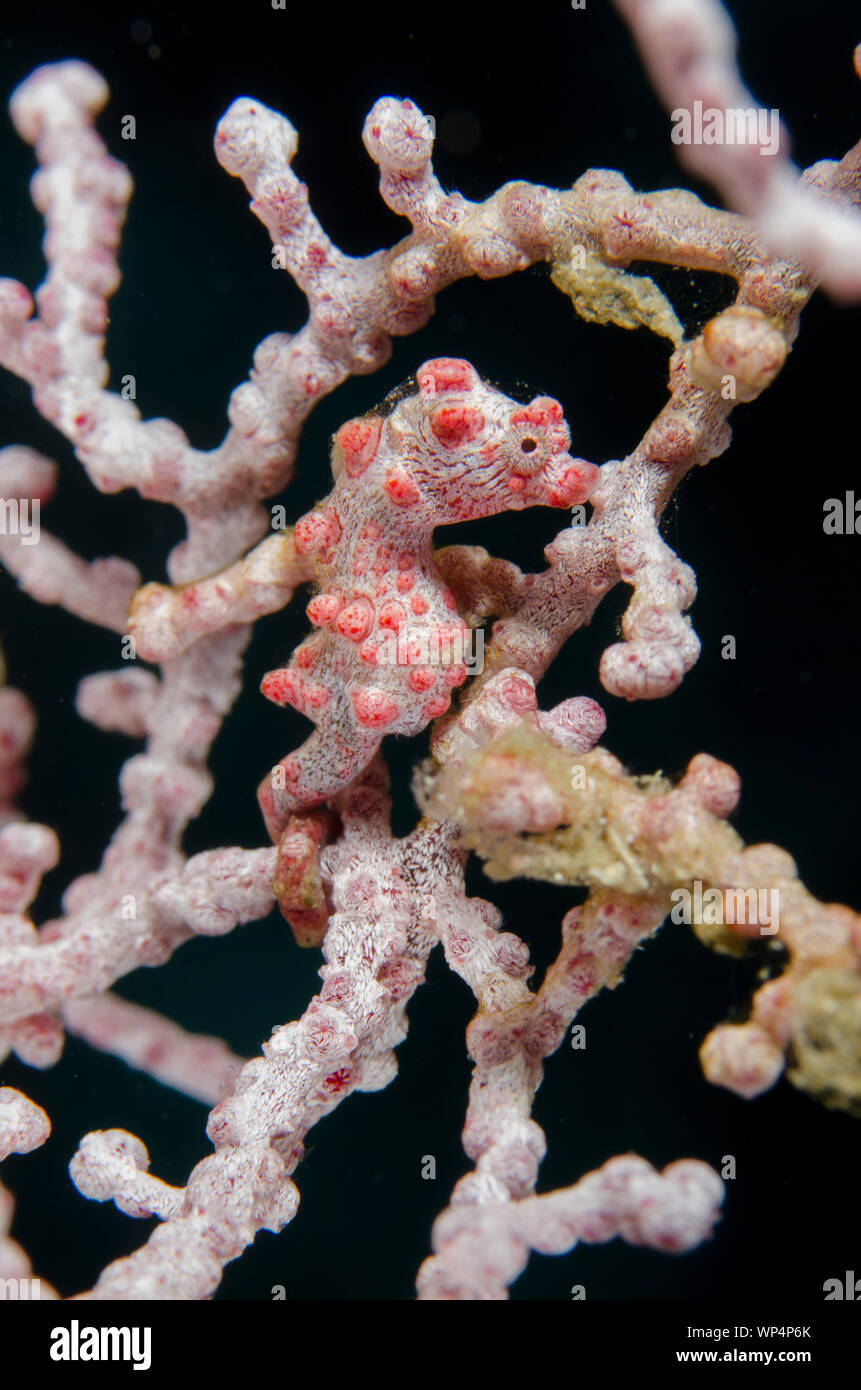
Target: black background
pixel 550 92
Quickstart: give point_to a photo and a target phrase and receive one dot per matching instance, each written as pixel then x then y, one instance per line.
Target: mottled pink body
pixel 389 645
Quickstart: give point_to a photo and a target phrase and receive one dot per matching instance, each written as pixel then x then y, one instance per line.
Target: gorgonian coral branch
pixel 379 937
pixel 24 1126
pixel 481 1250
pixel 198 1066
pixel 530 806
pixel 688 47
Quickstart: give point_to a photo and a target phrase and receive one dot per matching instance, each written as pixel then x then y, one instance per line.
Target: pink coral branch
pixel 688 47
pixel 98 592
pixel 83 194
pixel 198 1066
pixel 118 701
pixel 481 1250
pixel 379 937
pixel 481 1240
pixel 24 1127
pixel 165 622
pixel 107 933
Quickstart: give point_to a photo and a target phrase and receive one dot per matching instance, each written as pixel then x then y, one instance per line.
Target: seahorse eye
pixel 528 452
